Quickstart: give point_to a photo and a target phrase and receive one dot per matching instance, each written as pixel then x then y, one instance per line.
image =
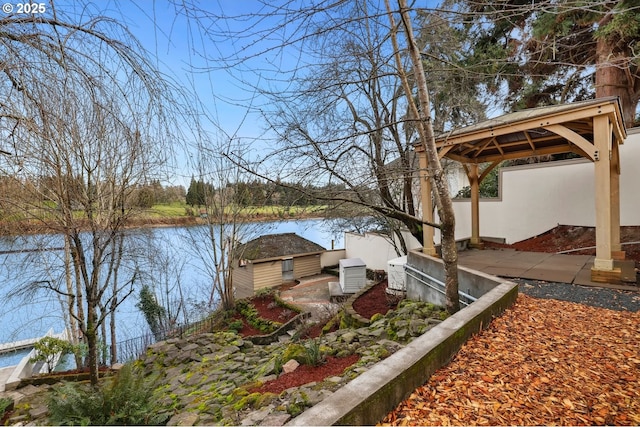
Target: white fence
pixel 331 258
pixel 374 249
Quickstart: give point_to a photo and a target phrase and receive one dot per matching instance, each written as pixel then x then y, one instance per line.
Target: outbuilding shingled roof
pixel 277 245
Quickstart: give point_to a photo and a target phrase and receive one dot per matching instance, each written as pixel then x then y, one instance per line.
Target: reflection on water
pixel 174 263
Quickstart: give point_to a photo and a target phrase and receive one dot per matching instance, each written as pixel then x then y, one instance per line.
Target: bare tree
pixel 339 118
pixel 421 111
pixel 342 110
pixel 86 119
pixel 226 223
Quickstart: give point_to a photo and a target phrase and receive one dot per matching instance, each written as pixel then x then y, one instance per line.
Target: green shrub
pixel 125 399
pixel 264 292
pixel 6 405
pixel 252 316
pixel 48 349
pixel 236 325
pixel 314 356
pixel 294 351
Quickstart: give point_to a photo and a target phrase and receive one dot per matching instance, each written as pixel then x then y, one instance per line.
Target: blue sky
pixel 177 44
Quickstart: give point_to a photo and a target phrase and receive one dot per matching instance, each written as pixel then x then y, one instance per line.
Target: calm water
pixel 175 268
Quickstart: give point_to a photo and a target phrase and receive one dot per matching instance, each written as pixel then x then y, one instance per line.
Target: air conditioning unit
pixel 353 275
pixel 395 275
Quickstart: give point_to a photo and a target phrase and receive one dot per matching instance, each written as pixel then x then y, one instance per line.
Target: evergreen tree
pixel 551 51
pixel 191 193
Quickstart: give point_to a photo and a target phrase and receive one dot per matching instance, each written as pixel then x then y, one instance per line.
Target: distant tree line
pixel 257 193
pixel 42 191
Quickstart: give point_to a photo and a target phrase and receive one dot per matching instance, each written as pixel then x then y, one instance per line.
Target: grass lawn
pixel 170 210
pixel 179 209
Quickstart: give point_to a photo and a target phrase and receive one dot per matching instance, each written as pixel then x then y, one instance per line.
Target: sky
pixel 178 44
pixel 178 47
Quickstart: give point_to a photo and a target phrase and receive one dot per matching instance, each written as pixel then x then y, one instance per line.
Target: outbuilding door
pixel 287 270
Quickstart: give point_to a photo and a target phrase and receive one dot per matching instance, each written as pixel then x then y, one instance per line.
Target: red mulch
pixel 305 374
pixel 567 237
pixel 267 309
pixel 375 300
pixel 247 330
pixel 315 331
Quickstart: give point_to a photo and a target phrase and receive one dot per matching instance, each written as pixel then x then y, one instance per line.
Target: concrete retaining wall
pixel 371 396
pixel 471 282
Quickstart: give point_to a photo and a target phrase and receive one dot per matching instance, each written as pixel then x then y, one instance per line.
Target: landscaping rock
pixel 183 419
pixel 211 373
pixel 38 411
pixel 290 366
pixel 349 337
pixel 278 419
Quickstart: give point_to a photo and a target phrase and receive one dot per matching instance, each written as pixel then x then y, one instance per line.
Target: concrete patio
pixel 549 267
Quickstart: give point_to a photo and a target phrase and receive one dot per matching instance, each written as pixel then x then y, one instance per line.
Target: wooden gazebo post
pixel 427 203
pixel 607 200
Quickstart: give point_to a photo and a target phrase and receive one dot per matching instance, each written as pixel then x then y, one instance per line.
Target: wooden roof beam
pixel 498 146
pixel 485 145
pixel 556 149
pixel 571 136
pixel 531 144
pixel 443 151
pixel 488 169
pixel 535 122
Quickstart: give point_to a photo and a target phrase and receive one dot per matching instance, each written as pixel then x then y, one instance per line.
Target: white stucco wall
pixel 375 250
pixel 535 198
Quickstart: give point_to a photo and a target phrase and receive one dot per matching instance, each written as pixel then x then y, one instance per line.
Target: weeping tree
pixel 85 119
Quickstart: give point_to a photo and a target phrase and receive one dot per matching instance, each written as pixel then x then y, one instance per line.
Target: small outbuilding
pixel 272 260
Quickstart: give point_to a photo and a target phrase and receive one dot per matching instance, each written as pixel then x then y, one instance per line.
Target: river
pixel 175 261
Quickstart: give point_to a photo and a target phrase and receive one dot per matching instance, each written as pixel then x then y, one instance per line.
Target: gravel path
pixel 595 297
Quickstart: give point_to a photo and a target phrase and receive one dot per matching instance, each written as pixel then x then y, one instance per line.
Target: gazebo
pixel 593 129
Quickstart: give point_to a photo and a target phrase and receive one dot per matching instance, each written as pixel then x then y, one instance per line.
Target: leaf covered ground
pixel 543 362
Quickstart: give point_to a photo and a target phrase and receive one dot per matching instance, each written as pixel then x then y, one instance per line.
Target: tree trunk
pixel 92 342
pixel 614 78
pixel 436 175
pixel 74 329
